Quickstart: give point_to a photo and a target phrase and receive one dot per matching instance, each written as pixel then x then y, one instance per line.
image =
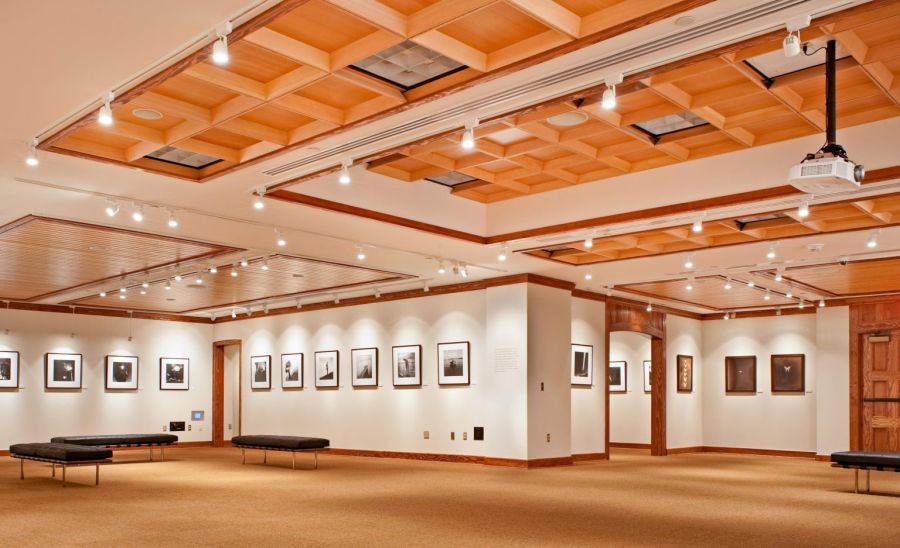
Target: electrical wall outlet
pixel 452 435
pixel 165 428
pixel 427 435
pixel 189 429
pixel 465 436
pixel 542 387
pixel 229 427
pixel 548 438
pixel 478 434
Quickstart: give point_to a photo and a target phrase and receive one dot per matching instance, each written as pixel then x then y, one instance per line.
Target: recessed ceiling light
pixel 567 119
pixel 685 21
pixel 147 114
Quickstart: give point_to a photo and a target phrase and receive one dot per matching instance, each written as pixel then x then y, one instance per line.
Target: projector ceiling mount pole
pixel 831 144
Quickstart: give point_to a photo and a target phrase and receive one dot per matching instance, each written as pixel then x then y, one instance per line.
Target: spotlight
pixel 265 264
pixel 690 284
pixel 344 177
pixel 213 269
pixel 468 137
pixel 199 278
pixel 791 43
pixel 112 208
pixel 123 289
pixel 244 261
pixel 234 272
pixel 771 253
pixel 727 283
pixel 360 253
pixel 767 296
pixel 689 262
pixel 464 271
pixel 649 307
pixel 873 240
pixel 803 210
pixel 726 316
pixel 609 292
pixel 233 313
pixel 456 268
pixel 608 102
pixel 698 226
pixel 588 276
pixel 146 284
pixel 143 291
pixel 103 293
pixel 789 294
pixel 105 115
pixel 377 293
pixel 266 308
pixel 32 159
pixel 258 202
pixel 425 287
pixel 589 241
pixel 779 273
pixel 502 255
pixel 802 304
pixel 138 214
pixel 220 47
pixel 168 285
pixel 279 239
pixel 121 295
pixel 299 305
pixel 441 268
pixel 821 303
pixel 173 220
pixel 337 300
pixel 751 284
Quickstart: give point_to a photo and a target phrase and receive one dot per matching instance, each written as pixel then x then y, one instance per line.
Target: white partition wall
pixel 589 402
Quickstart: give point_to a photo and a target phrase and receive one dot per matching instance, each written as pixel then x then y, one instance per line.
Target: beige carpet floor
pixel 204 497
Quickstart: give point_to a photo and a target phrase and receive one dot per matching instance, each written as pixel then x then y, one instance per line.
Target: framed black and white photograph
pixel 740 374
pixel 260 372
pixel 618 377
pixel 327 364
pixel 292 370
pixel 685 372
pixel 9 369
pixel 582 365
pixel 453 363
pixel 648 367
pixel 174 374
pixel 364 362
pixel 62 371
pixel 407 365
pixel 789 373
pixel 121 372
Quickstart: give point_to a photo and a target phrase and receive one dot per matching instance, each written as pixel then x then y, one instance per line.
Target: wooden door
pixel 881 391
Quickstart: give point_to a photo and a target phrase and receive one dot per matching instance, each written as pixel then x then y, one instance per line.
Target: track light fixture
pixel 425 287
pixel 464 271
pixel 279 238
pixel 146 284
pixel 337 300
pixel 265 264
pixel 689 262
pixel 609 291
pixel 608 101
pixel 789 294
pixel 791 43
pixel 103 293
pixel 258 202
pixel 751 284
pixel 105 115
pixel 649 307
pixel 803 210
pixel 468 137
pixel 233 313
pixel 802 304
pixel 377 293
pixel 198 279
pixel 122 296
pixel 690 283
pixel 266 308
pixel 112 208
pixel 771 253
pixel 873 239
pixel 726 315
pixel 588 276
pixel 442 269
pixel 360 253
pixel 173 220
pixel 213 269
pixel 821 303
pixel 168 285
pixel 123 289
pixel 143 291
pixel 768 295
pixel 501 256
pixel 138 214
pixel 299 304
pixel 779 273
pixel 32 159
pixel 727 283
pixel 220 47
pixel 589 241
pixel 697 228
pixel 177 276
pixel 344 177
pixel 244 262
pixel 456 268
pixel 234 272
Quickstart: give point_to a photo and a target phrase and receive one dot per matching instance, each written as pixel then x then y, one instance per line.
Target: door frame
pixel 218 389
pixel 628 316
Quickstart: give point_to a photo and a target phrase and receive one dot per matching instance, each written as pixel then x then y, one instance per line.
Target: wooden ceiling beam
pixel 372 84
pixel 174 107
pixel 210 149
pixel 254 130
pixel 290 48
pixel 441 13
pixel 450 47
pixel 364 47
pixel 310 108
pixel 137 131
pixel 374 12
pixel 526 48
pixel 228 80
pixel 551 14
pixel 293 81
pixel 233 108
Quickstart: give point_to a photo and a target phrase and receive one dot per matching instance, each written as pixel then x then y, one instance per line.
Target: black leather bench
pixel 881 461
pixel 62 454
pixel 292 444
pixel 123 440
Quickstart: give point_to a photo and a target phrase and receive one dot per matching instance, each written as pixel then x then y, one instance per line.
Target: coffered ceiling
pixel 309 67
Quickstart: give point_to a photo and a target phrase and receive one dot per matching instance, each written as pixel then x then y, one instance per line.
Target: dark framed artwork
pixel 174 374
pixel 62 371
pixel 121 372
pixel 260 372
pixel 582 365
pixel 407 365
pixel 292 370
pixel 648 367
pixel 685 370
pixel 618 377
pixel 327 368
pixel 453 363
pixel 364 365
pixel 9 369
pixel 740 374
pixel 788 373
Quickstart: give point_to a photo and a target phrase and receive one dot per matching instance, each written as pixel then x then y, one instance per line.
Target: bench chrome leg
pixel 856 481
pixel 264 456
pixel 21 469
pixel 243 457
pixel 53 470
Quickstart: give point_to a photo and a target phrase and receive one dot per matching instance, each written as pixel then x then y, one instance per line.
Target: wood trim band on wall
pixel 582 457
pixel 113 313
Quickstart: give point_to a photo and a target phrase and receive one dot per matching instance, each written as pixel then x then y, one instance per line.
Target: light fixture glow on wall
pixel 112 208
pixel 468 136
pixel 360 253
pixel 501 256
pixel 220 47
pixel 32 159
pixel 138 214
pixel 608 100
pixel 344 177
pixel 279 239
pixel 105 115
pixel 873 239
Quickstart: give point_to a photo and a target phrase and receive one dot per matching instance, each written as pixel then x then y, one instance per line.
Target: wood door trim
pixel 220 346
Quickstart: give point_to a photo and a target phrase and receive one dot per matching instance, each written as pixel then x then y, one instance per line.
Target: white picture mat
pixel 292 363
pixel 364 361
pixel 62 370
pixel 453 363
pixel 407 365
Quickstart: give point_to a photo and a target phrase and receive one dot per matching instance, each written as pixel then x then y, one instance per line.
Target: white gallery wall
pixel 588 402
pixel 761 420
pixel 35 414
pixel 832 379
pixel 684 410
pixel 629 412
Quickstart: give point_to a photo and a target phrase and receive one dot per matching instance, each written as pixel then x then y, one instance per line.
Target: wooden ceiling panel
pixel 709 292
pixel 855 278
pixel 42 256
pixel 286 276
pixel 299 56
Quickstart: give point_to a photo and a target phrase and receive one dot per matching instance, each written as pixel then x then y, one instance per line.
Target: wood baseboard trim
pixel 4 453
pixel 744 451
pixel 681 450
pixel 823 458
pixel 580 457
pixel 193 444
pixel 464 459
pixel 626 445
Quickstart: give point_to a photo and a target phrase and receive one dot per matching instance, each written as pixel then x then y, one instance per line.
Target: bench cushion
pixel 63 452
pixel 119 439
pixel 280 442
pixel 867 458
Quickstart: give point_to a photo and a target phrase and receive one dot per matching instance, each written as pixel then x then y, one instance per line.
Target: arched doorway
pixel 630 316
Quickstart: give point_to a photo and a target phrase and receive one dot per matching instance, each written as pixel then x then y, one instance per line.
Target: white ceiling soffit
pixel 719 23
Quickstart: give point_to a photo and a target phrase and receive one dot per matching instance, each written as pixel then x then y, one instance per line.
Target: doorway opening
pixel 226 387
